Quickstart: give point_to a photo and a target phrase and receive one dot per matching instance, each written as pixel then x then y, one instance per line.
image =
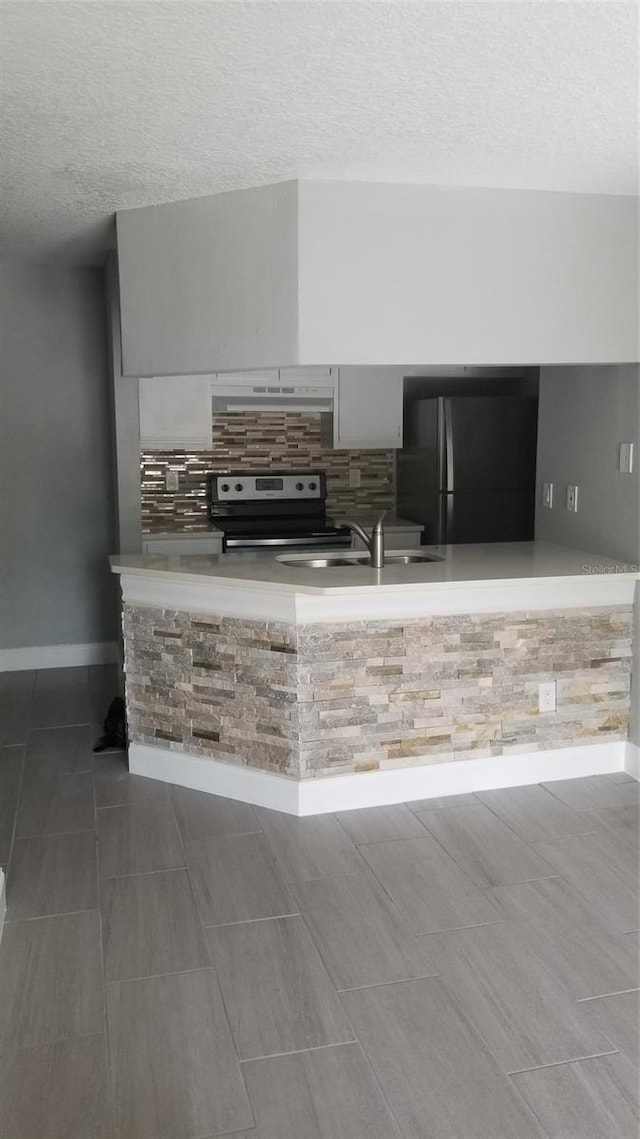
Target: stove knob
pixel 238 486
pixel 225 487
pixel 313 486
pixel 299 486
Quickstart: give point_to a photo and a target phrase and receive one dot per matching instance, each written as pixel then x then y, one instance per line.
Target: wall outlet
pixel 547 495
pixel 572 499
pixel 547 696
pixel 354 476
pixel 172 480
pixel 625 458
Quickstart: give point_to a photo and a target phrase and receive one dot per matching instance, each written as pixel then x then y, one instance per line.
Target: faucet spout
pixel 374 541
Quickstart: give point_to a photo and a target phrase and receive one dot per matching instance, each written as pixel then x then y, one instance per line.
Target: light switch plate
pixel 625 458
pixel 572 499
pixel 354 476
pixel 172 480
pixel 547 495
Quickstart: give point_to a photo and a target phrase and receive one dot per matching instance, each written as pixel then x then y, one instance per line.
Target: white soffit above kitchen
pixel 111 105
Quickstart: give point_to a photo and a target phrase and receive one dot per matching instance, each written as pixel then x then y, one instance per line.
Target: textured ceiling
pixel 108 105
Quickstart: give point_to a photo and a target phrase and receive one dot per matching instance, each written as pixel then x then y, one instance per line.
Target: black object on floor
pixel 114 736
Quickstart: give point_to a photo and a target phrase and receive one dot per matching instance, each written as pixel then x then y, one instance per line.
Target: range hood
pixel 270 391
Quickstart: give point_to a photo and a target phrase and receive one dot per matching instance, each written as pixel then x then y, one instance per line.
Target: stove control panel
pixel 292 485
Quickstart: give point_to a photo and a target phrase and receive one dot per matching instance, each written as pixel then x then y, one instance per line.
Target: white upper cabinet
pixel 175 412
pixel 368 408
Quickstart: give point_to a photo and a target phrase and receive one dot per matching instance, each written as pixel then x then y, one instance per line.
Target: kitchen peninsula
pixel 310 690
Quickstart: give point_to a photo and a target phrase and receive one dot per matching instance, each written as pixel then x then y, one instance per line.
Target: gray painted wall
pixel 584 413
pixel 56 517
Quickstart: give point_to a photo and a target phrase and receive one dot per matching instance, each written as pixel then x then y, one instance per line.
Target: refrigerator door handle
pixel 448 447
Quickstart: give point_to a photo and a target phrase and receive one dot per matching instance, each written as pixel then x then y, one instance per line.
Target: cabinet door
pixel 368 409
pixel 175 412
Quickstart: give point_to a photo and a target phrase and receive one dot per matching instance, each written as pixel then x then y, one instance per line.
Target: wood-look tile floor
pixel 177 966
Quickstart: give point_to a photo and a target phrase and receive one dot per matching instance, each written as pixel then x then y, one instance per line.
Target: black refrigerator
pixel 467 468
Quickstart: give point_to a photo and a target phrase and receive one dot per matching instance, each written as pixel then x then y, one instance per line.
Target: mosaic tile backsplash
pixel 243 441
pixel 317 700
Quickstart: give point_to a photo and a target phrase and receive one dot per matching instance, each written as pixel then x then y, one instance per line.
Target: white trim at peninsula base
pixel 632 760
pixel 374 788
pixel 58 656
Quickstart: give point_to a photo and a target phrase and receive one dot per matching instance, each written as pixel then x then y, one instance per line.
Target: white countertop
pixel 492 562
pixel 469 579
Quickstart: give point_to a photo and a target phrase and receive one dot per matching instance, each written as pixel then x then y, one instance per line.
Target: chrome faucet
pixel 374 542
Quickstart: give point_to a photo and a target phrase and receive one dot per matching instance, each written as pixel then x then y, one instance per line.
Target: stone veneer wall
pixel 252 442
pixel 374 695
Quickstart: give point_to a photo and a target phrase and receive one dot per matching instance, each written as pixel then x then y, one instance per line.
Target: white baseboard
pixel 632 760
pixel 244 783
pixel 373 788
pixel 58 656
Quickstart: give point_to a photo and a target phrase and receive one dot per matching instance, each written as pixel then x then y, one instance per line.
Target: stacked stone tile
pixel 363 696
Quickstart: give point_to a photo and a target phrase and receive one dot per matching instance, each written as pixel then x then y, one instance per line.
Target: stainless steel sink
pixel 390 559
pixel 323 563
pixel 409 559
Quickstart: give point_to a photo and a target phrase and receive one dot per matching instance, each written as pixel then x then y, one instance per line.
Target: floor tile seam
pixel 543 929
pixel 206 837
pixel 562 838
pixel 252 921
pixel 144 806
pixel 495 814
pixel 212 965
pixel 583 898
pixel 54 834
pixel 110 984
pixel 467 1016
pixel 15 820
pixel 462 870
pixel 387 984
pixel 341 1044
pixel 530 841
pixel 321 960
pixel 140 873
pixel 470 1024
pixel 67 1037
pixel 299 1051
pixel 462 928
pixel 411 803
pixel 44 917
pixel 563 1063
pixel 401 919
pixel 58 727
pixel 111 1105
pixel 386 841
pixel 316 878
pixel 57 774
pixel 603 996
pixel 353 841
pixel 608 807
